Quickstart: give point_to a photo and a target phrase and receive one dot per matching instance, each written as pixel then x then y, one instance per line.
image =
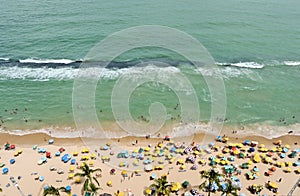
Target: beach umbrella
pixel 57 153
pixel 194 167
pixel 68 188
pixel 273 169
pixel 219 138
pixel 148 167
pixel 182 167
pixel 175 187
pixel 12 161
pixel 71 176
pixel 285 150
pixel 41 178
pixel 225 150
pixel 282 155
pixel 5 170
pixel 153 176
pixel 287 146
pixel 185 184
pixel 288 170
pixel 247 142
pixel 148 191
pixel 296 164
pixel 255 169
pixel 50 141
pixel 244 165
pixel 109 183
pixel 273 185
pixel 75 153
pixel 262 146
pixel 73 161
pixel 124 173
pixel 34 147
pixel 251 149
pixel 77 180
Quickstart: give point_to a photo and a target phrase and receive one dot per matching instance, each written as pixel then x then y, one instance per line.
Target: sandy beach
pixel 27 172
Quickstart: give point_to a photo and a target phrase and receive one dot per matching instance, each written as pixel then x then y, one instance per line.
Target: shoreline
pixel 175 130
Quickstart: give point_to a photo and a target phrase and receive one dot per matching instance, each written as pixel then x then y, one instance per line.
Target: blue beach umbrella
pixel 5 170
pixel 296 164
pixel 73 161
pixel 153 176
pixel 251 149
pixel 285 150
pixel 46 187
pixel 57 153
pixel 51 141
pixel 41 178
pixel 247 142
pixel 44 159
pixel 12 161
pixel 282 155
pixel 68 188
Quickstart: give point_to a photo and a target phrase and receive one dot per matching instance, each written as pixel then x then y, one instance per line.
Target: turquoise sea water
pixel 257 40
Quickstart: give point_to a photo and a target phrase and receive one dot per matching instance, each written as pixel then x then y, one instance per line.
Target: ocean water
pixel 255 44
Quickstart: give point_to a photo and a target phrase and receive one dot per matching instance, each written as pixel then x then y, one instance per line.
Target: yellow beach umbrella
pixel 239 145
pixel 176 186
pixel 124 172
pixel 77 180
pixel 109 183
pixel 93 156
pixel 262 146
pixel 20 151
pixel 75 153
pixel 225 150
pixel 91 163
pixel 182 166
pixel 147 149
pixel 160 145
pixel 288 170
pixel 137 171
pixel 120 194
pixel 71 169
pixel 180 161
pixel 148 191
pixel 71 176
pixel 288 164
pixel 16 154
pixel 287 146
pixel 274 149
pixel 273 185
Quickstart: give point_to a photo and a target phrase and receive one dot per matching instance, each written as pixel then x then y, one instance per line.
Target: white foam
pixel 63 73
pixel 40 73
pixel 4 59
pixel 252 65
pixel 33 60
pixel 292 63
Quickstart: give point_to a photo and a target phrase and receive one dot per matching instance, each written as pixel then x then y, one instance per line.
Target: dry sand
pixel 26 165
